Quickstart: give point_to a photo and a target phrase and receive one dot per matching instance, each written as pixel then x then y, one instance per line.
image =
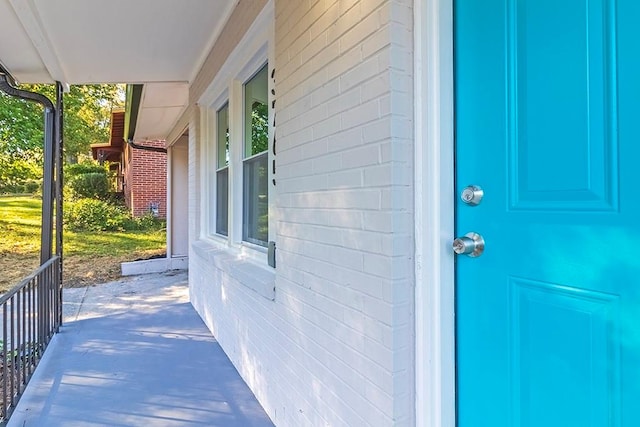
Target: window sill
pixel 260 279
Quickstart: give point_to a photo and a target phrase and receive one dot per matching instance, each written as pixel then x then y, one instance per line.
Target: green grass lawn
pixel 89 257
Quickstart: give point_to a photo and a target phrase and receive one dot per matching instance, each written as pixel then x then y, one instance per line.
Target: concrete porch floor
pixel 135 353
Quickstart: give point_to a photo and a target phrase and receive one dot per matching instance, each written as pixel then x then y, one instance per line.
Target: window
pixel 222 170
pixel 238 176
pixel 255 209
pixel 237 125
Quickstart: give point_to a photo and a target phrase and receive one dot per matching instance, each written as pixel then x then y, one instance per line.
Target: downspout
pixel 146 147
pixel 46 239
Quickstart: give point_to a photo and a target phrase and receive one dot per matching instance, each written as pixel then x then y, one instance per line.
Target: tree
pixel 87 113
pixel 259 127
pixel 88 116
pixel 19 175
pixel 21 126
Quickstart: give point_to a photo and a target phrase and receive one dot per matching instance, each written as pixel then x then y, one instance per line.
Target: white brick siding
pixel 336 346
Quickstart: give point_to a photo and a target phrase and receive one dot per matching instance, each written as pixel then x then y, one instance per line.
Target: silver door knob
pixel 472 244
pixel 472 195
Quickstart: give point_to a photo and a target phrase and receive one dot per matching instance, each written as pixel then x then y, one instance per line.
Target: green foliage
pixel 87 117
pixel 94 215
pixel 20 246
pixel 20 230
pixel 93 185
pixel 93 207
pixel 87 180
pixel 31 187
pixel 98 215
pixel 26 188
pixel 20 224
pixel 18 175
pixel 145 222
pixel 259 128
pixel 21 126
pixel 73 170
pixel 87 111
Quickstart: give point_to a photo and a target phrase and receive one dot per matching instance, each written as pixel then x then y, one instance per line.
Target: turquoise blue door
pixel 547 99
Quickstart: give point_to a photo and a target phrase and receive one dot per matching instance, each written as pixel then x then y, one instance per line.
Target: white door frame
pixel 170 190
pixel 434 202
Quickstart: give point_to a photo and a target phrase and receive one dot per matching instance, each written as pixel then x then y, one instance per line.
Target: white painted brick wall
pixel 335 348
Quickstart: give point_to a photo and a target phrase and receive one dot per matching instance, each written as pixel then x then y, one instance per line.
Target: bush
pixel 28 187
pixel 98 215
pixel 32 186
pixel 19 175
pixel 145 222
pixel 87 180
pixel 76 169
pixel 95 215
pixel 93 185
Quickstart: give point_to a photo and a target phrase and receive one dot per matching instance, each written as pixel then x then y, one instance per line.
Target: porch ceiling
pixel 154 42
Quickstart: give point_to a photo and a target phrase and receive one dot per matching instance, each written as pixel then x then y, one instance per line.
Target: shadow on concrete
pixel 150 361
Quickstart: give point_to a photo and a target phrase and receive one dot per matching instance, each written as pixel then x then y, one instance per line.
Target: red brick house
pixel 140 169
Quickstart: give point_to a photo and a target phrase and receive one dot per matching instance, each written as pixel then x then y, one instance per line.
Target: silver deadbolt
pixel 472 195
pixel 472 244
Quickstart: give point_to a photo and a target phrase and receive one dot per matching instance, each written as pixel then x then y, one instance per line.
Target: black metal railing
pixel 31 315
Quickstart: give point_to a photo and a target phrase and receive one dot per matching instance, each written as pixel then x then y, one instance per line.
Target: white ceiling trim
pixel 161 44
pixel 28 15
pixel 212 40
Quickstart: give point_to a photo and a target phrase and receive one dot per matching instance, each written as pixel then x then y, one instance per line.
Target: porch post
pixel 48 172
pixel 59 155
pixel 47 186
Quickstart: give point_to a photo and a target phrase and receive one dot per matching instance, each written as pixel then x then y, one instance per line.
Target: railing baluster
pixel 9 361
pixel 45 305
pixel 59 267
pixel 20 342
pixel 55 277
pixel 24 334
pixel 32 323
pixel 49 306
pixel 34 315
pixel 50 300
pixel 31 315
pixel 4 359
pixel 27 325
pixel 50 296
pixel 39 299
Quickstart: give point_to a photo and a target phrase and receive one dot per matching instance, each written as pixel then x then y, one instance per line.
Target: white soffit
pixel 148 42
pixel 108 41
pixel 160 108
pixel 16 49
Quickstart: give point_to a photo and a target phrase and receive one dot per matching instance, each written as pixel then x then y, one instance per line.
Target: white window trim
pixel 254 50
pixel 434 200
pixel 212 156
